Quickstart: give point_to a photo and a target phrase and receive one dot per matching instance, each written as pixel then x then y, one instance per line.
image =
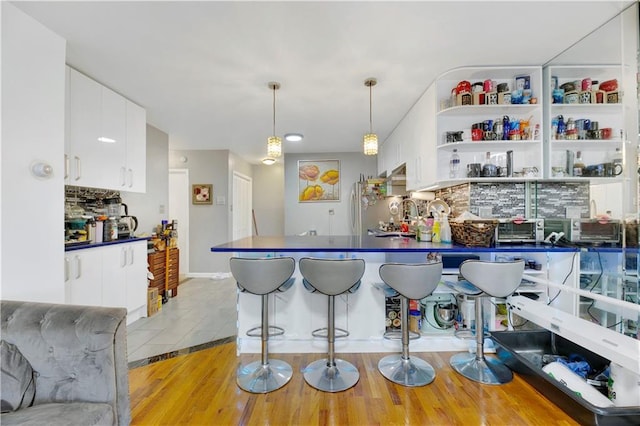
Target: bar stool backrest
pixel 412 280
pixel 497 279
pixel 261 275
pixel 332 276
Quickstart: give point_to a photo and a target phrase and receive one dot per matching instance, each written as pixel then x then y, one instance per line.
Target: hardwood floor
pixel 200 389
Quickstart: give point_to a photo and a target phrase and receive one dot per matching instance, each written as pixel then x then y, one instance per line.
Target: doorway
pixel 179 198
pixel 241 206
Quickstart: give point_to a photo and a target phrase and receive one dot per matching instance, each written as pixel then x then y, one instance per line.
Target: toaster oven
pixel 519 231
pixel 588 231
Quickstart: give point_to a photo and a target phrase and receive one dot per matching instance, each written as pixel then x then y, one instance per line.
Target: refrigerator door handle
pixel 353 211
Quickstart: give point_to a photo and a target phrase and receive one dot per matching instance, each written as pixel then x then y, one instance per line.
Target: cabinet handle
pixel 132 254
pixel 66 166
pixel 123 176
pixel 78 168
pixel 123 258
pixel 66 269
pixel 78 267
pixel 130 178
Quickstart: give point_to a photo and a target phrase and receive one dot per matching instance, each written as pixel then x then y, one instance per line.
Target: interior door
pixel 241 206
pixel 179 198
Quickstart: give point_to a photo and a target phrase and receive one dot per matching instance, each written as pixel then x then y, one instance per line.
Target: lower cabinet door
pixel 83 273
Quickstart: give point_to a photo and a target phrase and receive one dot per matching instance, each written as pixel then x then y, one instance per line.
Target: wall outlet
pixel 161 209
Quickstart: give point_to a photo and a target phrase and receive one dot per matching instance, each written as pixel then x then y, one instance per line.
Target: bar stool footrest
pixel 257 331
pixel 397 335
pixel 324 332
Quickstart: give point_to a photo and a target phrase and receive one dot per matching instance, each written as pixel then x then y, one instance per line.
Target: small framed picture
pixel 202 193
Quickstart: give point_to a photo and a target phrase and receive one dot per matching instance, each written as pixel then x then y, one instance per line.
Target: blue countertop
pixel 81 246
pixel 351 243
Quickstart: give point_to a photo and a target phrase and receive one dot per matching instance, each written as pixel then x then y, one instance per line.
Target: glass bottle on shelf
pixel 489 168
pixel 578 164
pixel 454 165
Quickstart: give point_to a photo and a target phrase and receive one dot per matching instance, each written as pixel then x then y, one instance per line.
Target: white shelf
pixel 492 110
pixel 501 145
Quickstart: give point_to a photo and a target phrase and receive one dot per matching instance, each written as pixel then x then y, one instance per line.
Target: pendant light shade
pixel 370 140
pixel 274 143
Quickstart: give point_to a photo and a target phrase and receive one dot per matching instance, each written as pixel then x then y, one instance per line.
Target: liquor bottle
pixel 454 165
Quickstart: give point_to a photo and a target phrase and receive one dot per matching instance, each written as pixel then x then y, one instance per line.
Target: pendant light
pixel 370 140
pixel 274 143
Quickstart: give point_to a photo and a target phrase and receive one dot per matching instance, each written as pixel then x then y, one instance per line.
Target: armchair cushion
pixel 18 386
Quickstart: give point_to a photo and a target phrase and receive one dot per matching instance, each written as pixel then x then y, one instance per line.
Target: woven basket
pixel 474 233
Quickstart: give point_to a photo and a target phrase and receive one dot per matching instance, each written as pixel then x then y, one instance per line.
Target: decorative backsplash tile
pixel 510 199
pixel 554 198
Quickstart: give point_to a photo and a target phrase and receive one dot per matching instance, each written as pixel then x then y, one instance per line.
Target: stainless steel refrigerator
pixel 367 209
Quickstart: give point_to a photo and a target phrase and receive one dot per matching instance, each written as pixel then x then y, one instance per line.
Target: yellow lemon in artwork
pixel 313 192
pixel 330 177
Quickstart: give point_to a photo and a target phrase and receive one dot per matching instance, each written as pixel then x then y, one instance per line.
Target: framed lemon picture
pixel 318 180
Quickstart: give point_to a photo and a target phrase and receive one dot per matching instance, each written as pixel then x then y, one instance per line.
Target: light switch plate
pixel 220 200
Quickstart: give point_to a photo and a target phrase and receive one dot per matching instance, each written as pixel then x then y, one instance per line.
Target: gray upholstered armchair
pixel 64 364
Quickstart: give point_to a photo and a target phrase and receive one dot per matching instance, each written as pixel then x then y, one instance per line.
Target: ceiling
pixel 201 69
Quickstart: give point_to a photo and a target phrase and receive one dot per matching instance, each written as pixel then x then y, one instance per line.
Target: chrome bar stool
pixel 331 277
pixel 410 281
pixel 487 279
pixel 263 276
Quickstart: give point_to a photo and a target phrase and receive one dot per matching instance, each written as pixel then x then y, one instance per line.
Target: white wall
pixel 301 217
pixel 209 224
pixel 152 207
pixel 268 199
pixel 33 94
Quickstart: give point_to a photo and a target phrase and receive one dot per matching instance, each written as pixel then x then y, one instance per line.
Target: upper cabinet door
pixel 84 122
pixel 112 143
pixel 106 137
pixel 136 158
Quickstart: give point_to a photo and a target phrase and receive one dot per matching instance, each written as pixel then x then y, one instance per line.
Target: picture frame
pixel 202 193
pixel 318 181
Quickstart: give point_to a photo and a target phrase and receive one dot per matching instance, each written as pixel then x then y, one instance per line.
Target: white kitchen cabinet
pixel 136 278
pixel 420 142
pixel 390 155
pixel 453 117
pixel 114 285
pixel 135 179
pixel 111 275
pixel 106 137
pixel 83 277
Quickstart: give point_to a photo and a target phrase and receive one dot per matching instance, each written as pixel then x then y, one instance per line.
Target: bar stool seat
pixel 331 277
pixel 487 279
pixel 410 281
pixel 263 276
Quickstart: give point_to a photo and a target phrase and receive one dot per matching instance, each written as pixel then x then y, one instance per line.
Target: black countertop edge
pixel 106 243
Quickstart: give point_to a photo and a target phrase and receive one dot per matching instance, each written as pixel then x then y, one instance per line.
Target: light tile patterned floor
pixel 204 310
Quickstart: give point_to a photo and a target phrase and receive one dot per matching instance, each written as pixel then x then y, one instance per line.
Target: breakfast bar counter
pixel 364 313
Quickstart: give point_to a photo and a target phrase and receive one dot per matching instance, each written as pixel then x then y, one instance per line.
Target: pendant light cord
pixel 274 110
pixel 370 107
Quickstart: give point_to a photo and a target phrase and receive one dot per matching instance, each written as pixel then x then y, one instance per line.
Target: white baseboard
pixel 210 275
